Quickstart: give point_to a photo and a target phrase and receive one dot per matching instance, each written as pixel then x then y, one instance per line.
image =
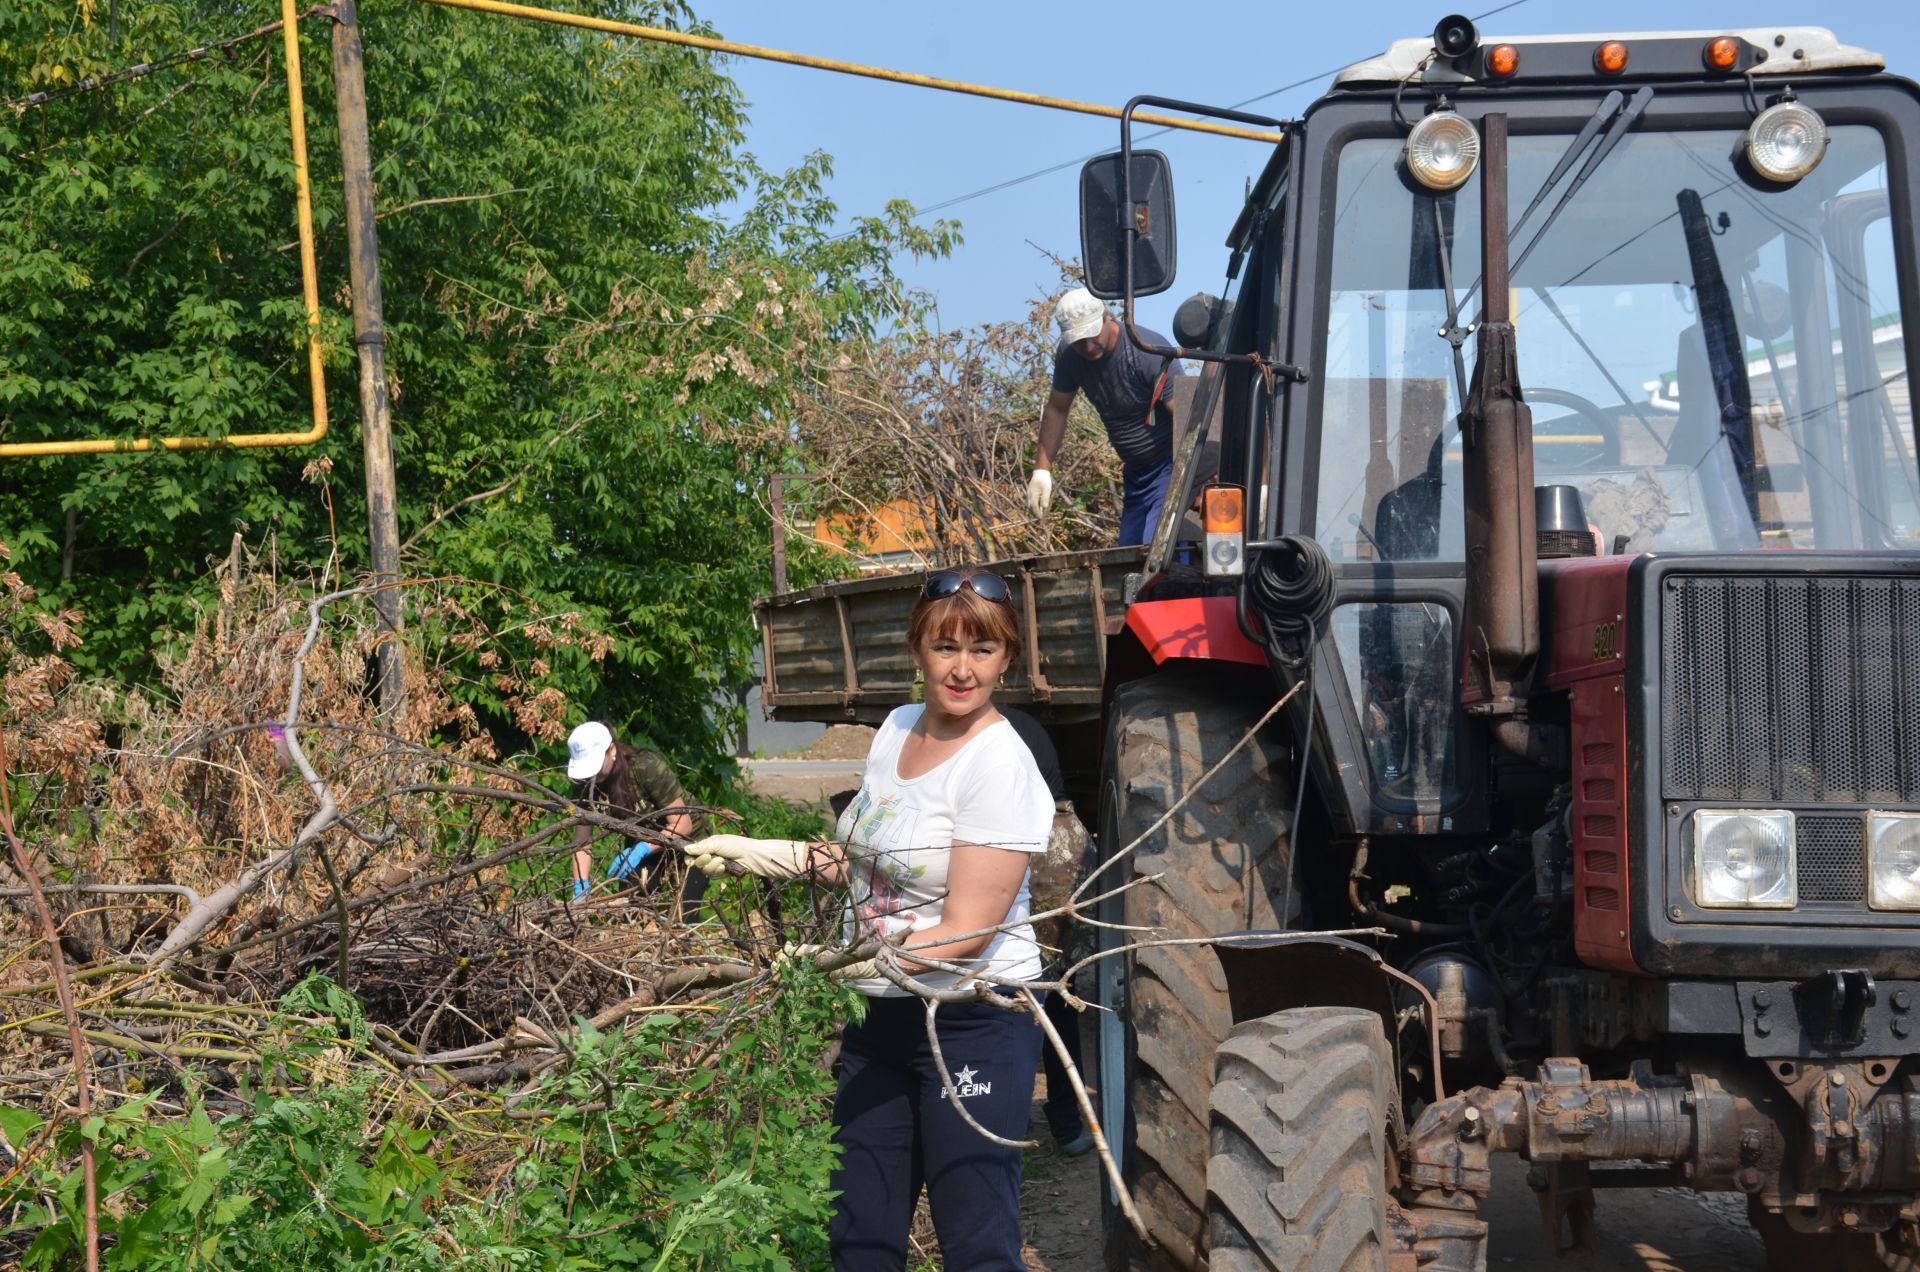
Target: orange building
pixel 897 536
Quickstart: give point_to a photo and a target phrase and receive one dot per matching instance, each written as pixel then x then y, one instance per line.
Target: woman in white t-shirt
pixel 933 851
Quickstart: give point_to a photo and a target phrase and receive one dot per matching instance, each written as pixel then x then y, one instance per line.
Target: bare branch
pixel 212 908
pixel 1088 1117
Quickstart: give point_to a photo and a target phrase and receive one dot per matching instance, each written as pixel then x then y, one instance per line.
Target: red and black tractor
pixel 1566 493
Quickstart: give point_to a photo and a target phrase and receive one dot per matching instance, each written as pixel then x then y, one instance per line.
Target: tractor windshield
pixel 1714 365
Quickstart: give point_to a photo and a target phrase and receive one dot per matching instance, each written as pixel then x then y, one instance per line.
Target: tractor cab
pixel 1569 514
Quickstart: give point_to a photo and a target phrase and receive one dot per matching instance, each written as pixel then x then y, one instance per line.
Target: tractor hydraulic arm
pixel 1821 1134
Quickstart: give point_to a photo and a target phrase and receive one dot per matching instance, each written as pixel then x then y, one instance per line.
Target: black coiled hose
pixel 1291 589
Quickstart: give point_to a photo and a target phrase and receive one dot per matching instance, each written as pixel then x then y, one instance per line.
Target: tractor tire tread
pixel 1297 1178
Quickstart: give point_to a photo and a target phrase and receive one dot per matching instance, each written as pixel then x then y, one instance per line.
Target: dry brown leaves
pixel 947 422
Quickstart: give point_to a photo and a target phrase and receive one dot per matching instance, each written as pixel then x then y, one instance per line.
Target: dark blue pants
pixel 898 1131
pixel 1142 491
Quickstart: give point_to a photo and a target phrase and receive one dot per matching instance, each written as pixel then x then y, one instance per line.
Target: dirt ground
pixel 1059 1203
pixel 839 742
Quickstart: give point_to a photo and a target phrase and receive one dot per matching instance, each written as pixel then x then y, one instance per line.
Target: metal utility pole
pixel 370 339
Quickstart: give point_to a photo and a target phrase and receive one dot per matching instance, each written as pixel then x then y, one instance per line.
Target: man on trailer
pixel 1127 386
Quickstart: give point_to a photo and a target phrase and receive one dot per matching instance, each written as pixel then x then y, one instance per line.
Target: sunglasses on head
pixel 990 587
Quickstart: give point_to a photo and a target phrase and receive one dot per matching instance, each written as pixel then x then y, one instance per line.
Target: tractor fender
pixel 1275 971
pixel 1202 628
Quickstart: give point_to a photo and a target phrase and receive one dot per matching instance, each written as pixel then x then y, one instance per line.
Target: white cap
pixel 587 748
pixel 1079 315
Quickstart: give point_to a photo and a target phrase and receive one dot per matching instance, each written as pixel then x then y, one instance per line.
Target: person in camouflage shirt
pixel 631 782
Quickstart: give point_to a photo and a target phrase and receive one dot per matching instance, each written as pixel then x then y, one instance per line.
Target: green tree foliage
pixel 600 313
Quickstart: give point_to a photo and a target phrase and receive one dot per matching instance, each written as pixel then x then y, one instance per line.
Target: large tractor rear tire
pixel 1304 1102
pixel 1222 862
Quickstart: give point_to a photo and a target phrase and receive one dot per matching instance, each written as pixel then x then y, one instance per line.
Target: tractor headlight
pixel 1442 151
pixel 1893 861
pixel 1786 142
pixel 1744 860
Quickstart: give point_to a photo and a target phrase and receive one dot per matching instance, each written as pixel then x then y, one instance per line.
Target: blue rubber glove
pixel 629 860
pixel 580 887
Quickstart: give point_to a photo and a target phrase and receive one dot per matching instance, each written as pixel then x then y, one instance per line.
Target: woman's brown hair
pixel 966 615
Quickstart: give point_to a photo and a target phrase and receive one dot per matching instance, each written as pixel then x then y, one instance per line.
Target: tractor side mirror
pixel 1111 226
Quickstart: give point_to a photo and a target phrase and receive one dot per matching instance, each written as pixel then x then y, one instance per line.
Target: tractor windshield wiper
pixel 1727 365
pixel 1625 120
pixel 1608 105
pixel 1454 333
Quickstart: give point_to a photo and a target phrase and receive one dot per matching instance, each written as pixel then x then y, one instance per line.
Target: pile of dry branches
pixel 181 862
pixel 944 424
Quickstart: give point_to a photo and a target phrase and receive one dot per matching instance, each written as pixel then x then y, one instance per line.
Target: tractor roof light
pixel 1503 61
pixel 1786 141
pixel 1610 58
pixel 1442 151
pixel 1721 53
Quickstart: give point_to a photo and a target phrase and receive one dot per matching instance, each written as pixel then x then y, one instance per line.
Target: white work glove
pixel 829 959
pixel 740 855
pixel 1040 492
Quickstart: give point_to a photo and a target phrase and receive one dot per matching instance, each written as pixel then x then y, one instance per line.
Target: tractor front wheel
pixel 1304 1107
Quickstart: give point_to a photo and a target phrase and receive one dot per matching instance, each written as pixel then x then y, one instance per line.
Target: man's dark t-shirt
pixel 1045 757
pixel 1120 385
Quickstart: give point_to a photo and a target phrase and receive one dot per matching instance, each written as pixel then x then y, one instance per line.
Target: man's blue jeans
pixel 1142 491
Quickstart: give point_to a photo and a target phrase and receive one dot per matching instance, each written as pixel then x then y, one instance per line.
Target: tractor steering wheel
pixel 1607 454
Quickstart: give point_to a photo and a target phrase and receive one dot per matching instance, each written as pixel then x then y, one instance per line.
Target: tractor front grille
pixel 1832 853
pixel 1789 690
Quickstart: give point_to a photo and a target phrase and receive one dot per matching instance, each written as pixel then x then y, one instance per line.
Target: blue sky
pixel 890 141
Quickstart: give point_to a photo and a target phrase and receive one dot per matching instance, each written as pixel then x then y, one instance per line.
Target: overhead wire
pixel 1080 159
pixel 1037 173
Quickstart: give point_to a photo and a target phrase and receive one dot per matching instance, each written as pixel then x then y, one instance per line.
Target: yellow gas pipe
pixel 310 285
pixel 663 36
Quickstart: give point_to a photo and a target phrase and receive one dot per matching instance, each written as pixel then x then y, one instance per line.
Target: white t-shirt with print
pixel 899 837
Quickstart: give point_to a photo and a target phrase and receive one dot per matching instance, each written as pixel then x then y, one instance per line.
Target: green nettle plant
pixel 593 370
pixel 725 1164
pixel 695 1139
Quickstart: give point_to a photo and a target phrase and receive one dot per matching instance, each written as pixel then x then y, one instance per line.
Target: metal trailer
pixel 837 653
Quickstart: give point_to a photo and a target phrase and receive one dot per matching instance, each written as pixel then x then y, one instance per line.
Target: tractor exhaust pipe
pixel 1502 617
